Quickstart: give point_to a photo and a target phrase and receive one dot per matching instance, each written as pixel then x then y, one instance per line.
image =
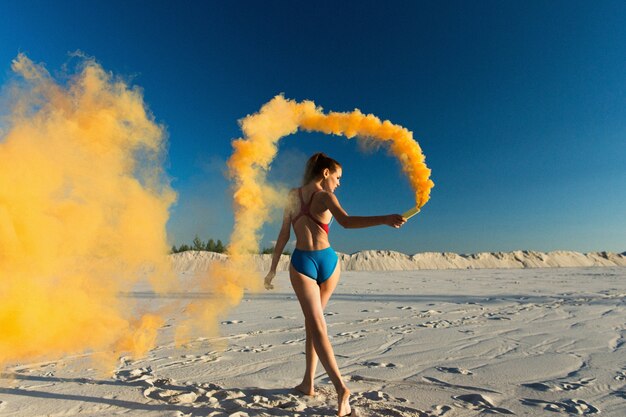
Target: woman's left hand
pixel 268 280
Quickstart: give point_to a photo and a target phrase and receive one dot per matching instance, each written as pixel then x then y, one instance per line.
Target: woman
pixel 314 269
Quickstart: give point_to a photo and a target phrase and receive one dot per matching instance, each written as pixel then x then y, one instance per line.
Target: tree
pixel 210 246
pixel 183 248
pixel 219 246
pixel 174 250
pixel 198 244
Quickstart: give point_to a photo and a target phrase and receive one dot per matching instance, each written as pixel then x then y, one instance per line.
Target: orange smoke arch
pixel 254 197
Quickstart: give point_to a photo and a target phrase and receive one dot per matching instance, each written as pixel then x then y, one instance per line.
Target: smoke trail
pixel 254 198
pixel 83 208
pixel 248 165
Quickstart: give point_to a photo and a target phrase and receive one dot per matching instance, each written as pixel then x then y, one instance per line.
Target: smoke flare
pixel 83 208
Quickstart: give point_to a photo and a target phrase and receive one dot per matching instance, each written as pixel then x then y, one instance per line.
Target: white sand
pixel 535 342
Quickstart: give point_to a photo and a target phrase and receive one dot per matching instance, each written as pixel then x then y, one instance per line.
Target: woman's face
pixel 332 180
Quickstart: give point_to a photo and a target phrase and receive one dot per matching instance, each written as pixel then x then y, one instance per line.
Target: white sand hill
pixel 378 260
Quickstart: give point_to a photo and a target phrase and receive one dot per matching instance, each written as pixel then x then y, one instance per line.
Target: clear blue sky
pixel 520 107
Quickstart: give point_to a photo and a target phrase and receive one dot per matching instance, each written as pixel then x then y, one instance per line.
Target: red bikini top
pixel 305 211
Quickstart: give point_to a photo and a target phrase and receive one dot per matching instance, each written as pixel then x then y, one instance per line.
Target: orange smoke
pixel 83 208
pixel 248 165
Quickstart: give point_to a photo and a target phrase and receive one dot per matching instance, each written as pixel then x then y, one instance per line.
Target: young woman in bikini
pixel 314 269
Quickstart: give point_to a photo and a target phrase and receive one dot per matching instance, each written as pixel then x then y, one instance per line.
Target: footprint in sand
pixel 405 308
pixel 559 386
pixel 490 317
pixel 330 313
pixel 571 406
pixel 207 357
pixel 234 403
pixel 171 396
pixel 351 335
pixel 571 386
pixel 403 329
pixel 616 343
pixel 454 370
pixel 369 321
pixel 375 395
pixel 379 365
pixel 167 390
pixel 189 359
pixel 293 405
pixel 425 314
pixel 252 349
pixel 233 322
pixel 480 403
pixel 436 324
pixel 378 403
pixel 440 410
pixel 621 376
pixel 621 394
pixel 134 375
pixel 538 386
pixel 294 341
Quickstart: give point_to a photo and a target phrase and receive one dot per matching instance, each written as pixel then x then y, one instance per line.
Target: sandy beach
pixel 544 341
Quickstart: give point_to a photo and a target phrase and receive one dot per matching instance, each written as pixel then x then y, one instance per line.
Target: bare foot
pixel 305 389
pixel 343 399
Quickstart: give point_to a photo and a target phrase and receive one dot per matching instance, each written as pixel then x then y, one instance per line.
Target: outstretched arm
pixel 355 222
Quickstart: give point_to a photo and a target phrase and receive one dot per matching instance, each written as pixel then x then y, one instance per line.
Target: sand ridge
pixel 384 260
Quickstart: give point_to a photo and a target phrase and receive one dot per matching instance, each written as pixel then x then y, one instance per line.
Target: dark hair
pixel 316 165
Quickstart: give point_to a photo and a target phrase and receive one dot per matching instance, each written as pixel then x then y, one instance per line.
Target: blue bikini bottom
pixel 315 264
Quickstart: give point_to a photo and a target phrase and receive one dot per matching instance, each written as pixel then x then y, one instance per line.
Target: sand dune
pixel 379 260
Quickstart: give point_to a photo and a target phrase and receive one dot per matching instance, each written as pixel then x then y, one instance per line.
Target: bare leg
pixel 307 386
pixel 310 298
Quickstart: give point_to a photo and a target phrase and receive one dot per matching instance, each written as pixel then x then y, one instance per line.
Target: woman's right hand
pixel 394 220
pixel 268 280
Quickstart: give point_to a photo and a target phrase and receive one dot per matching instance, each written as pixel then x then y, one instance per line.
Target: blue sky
pixel 520 107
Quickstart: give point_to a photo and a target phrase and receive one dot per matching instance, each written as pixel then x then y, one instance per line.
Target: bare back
pixel 309 235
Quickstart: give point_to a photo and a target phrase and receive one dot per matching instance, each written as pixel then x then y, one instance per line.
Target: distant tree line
pixel 197 244
pixel 214 246
pixel 270 250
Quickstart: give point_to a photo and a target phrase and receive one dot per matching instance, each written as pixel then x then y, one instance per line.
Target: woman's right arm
pixel 355 222
pixel 281 242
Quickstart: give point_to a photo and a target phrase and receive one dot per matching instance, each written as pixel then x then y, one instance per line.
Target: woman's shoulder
pixel 324 197
pixel 292 196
